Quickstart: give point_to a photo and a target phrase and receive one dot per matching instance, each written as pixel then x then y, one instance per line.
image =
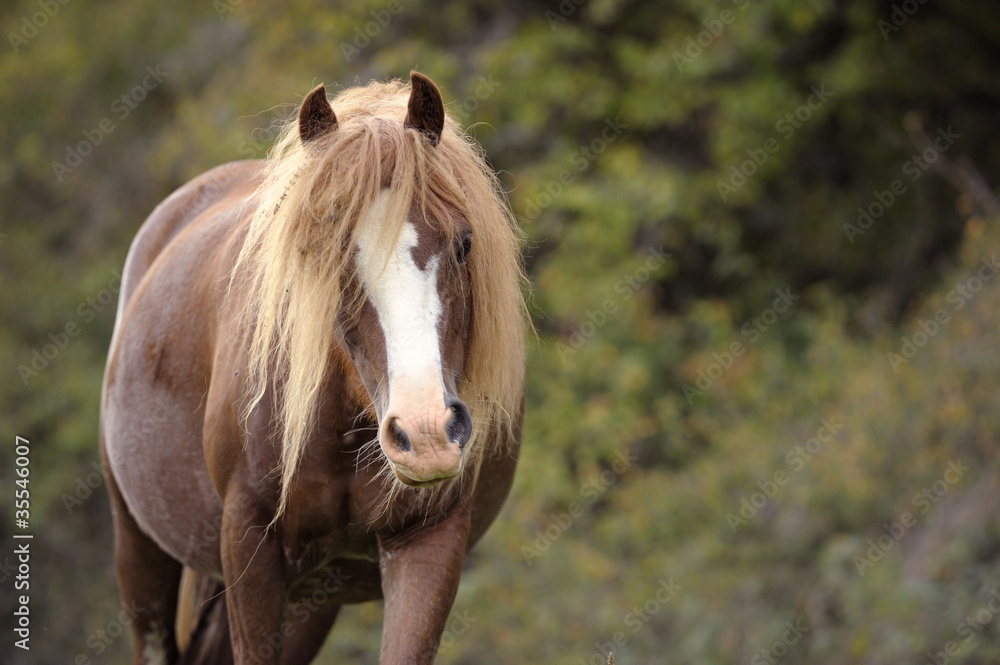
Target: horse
pixel 314 390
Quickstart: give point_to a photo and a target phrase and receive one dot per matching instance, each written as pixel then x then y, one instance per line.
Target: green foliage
pixel 675 168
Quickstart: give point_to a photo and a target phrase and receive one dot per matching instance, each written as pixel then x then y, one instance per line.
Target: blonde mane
pixel 300 242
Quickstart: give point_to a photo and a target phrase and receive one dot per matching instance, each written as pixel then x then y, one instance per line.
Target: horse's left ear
pixel 316 117
pixel 425 110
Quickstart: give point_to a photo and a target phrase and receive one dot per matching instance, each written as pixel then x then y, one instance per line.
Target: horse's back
pixel 160 362
pixel 185 205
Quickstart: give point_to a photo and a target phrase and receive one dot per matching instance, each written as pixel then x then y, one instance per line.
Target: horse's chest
pixel 309 552
pixel 341 564
pixel 323 524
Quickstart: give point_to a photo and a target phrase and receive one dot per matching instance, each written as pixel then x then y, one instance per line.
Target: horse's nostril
pixel 399 437
pixel 459 427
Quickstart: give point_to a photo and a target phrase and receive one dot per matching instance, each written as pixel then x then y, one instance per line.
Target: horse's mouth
pixel 410 482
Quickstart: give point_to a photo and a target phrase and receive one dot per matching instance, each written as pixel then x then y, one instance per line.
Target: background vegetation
pixel 760 429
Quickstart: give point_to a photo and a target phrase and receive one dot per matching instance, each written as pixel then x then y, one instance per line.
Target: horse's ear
pixel 425 110
pixel 316 117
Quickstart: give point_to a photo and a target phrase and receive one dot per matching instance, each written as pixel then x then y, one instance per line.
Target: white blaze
pixel 404 297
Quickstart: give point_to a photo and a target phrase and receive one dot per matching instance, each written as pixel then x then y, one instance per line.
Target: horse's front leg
pixel 253 569
pixel 420 572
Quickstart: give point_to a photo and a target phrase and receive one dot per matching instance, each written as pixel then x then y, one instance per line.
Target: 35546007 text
pixel 22 548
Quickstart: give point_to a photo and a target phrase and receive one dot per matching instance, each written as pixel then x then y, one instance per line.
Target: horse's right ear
pixel 316 117
pixel 425 110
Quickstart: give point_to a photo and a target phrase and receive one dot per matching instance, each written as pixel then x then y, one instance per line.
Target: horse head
pixel 408 336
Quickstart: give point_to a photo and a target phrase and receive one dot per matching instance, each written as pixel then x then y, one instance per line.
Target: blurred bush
pixel 737 212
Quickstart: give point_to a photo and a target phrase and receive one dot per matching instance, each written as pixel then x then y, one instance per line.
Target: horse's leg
pixel 148 579
pixel 420 573
pixel 306 626
pixel 253 568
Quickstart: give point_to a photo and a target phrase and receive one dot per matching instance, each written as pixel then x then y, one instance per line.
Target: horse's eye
pixel 463 247
pixel 352 338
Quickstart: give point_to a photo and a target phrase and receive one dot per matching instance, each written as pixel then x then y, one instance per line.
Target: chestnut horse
pixel 315 386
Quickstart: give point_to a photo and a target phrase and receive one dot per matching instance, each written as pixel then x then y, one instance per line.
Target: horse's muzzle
pixel 424 440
